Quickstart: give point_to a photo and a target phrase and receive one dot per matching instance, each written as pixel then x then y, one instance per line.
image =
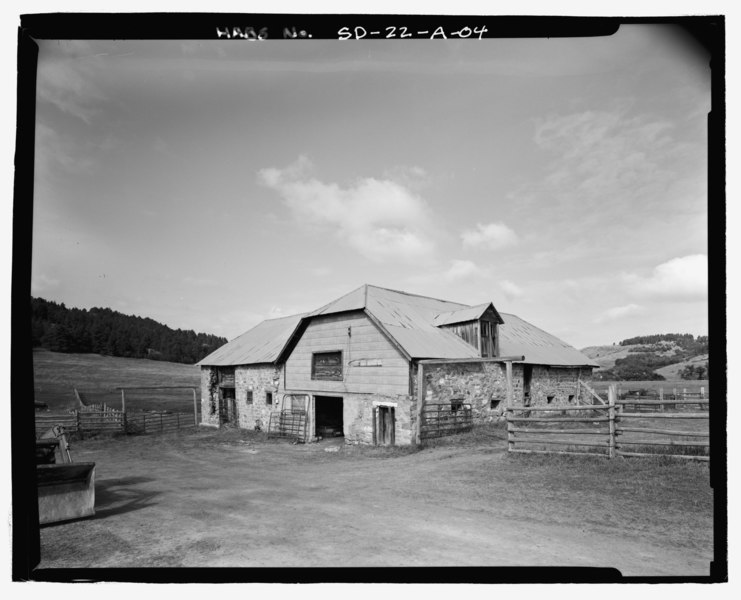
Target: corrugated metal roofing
pixel 261 344
pixel 539 347
pixel 461 315
pixel 411 321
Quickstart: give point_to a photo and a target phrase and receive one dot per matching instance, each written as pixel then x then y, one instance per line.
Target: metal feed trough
pixel 66 490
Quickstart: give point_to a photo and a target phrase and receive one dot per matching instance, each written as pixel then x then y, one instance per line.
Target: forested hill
pixel 105 331
pixel 672 355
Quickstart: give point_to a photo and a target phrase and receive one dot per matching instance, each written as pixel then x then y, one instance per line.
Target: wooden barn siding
pixel 367 342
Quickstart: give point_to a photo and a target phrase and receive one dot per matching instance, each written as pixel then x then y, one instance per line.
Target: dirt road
pixel 211 500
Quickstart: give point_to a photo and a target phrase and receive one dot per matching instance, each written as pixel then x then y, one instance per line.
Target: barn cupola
pixel 477 325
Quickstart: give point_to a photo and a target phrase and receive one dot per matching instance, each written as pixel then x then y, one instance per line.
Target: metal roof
pixel 461 315
pixel 539 347
pixel 261 344
pixel 409 320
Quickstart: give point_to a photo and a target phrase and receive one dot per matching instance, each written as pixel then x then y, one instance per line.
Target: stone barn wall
pixel 357 417
pixel 557 385
pixel 483 385
pixel 259 379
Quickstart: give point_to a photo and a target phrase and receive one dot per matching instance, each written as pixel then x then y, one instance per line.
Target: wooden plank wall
pixel 364 349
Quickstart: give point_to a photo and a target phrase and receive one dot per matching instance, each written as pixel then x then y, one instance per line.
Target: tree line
pixel 105 331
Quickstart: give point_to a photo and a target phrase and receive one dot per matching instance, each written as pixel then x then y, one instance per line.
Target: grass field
pixel 96 377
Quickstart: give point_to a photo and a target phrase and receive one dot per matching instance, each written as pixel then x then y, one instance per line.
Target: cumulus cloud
pixel 492 236
pixel 462 269
pixel 380 219
pixel 619 312
pixel 67 78
pixel 511 290
pixel 682 279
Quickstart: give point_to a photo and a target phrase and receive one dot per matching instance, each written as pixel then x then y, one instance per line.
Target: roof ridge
pixel 418 295
pixel 284 317
pixel 352 291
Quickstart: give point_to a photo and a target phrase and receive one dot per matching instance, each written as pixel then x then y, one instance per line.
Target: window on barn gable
pixel 249 397
pixel 269 398
pixel 327 366
pixel 456 405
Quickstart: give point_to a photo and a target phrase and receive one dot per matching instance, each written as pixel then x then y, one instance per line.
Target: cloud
pixel 378 218
pixel 616 167
pixel 680 279
pixel 461 270
pixel 510 289
pixel 68 82
pixel 619 312
pixel 491 236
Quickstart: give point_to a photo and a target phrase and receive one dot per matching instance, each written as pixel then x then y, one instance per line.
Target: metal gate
pixel 439 420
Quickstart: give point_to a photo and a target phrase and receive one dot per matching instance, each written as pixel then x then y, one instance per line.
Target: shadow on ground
pixel 116 496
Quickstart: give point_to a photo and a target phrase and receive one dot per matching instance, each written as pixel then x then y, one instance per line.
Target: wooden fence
pixel 89 421
pixel 609 430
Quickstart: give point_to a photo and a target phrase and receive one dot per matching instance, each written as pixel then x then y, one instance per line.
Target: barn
pixel 367 364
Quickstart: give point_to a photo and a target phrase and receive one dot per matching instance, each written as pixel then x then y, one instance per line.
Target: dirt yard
pixel 234 499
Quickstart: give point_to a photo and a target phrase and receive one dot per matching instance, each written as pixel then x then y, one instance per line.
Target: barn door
pixel 385 420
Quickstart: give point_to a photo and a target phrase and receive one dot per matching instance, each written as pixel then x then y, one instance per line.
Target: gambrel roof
pixel 410 322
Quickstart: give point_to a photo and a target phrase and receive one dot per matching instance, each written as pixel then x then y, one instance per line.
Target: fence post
pixel 661 399
pixel 611 393
pixel 510 435
pixel 78 424
pixel 195 408
pixel 702 392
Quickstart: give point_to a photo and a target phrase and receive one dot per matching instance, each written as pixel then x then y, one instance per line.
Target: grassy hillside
pixel 96 377
pixel 606 357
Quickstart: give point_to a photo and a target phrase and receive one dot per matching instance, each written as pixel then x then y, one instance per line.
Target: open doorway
pixel 328 416
pixel 527 377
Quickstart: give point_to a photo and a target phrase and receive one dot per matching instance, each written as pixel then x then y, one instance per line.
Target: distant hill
pixel 104 331
pixel 654 357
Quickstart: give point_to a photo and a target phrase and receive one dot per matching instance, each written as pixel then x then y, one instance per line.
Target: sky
pixel 212 184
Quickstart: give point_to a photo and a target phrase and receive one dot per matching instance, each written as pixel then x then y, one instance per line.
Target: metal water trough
pixel 66 490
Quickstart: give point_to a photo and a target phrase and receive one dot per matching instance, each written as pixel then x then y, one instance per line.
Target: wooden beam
pixel 510 392
pixel 420 402
pixel 438 361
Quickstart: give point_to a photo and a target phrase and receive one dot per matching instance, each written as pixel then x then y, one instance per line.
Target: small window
pixel 495 403
pixel 249 397
pixel 571 397
pixel 269 398
pixel 456 405
pixel 228 393
pixel 549 399
pixel 326 366
pixel 226 377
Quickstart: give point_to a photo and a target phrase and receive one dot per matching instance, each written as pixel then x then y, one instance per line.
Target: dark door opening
pixel 385 425
pixel 228 405
pixel 328 416
pixel 527 376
